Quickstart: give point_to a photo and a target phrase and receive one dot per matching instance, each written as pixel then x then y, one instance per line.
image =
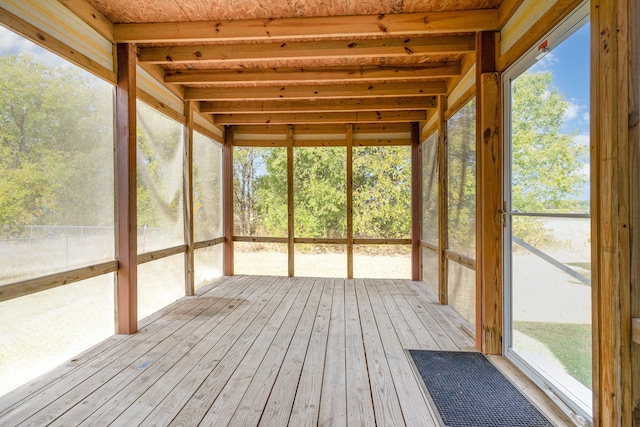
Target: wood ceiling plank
pixel 319 105
pixel 402 24
pixel 329 117
pixel 316 92
pixel 396 47
pixel 310 75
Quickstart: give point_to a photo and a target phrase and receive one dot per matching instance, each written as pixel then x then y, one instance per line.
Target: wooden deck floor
pixel 255 350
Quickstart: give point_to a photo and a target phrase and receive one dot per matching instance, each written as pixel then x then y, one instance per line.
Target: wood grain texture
pixel 227 199
pixel 416 201
pixel 325 117
pixel 290 204
pixel 349 179
pixel 443 211
pixel 187 205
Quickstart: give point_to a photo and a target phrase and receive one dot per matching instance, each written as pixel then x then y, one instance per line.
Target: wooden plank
pixel 359 401
pixel 267 353
pixel 39 284
pixel 126 199
pixel 160 253
pixel 208 243
pixel 403 24
pixel 431 247
pixel 227 199
pixel 291 50
pixel 506 10
pixel 307 400
pixel 383 391
pixel 333 400
pixel 153 102
pixel 382 300
pixel 267 76
pixel 635 330
pixel 349 179
pixel 425 340
pixel 324 117
pixel 187 204
pixel 319 129
pixel 103 405
pixel 91 16
pixel 290 205
pixel 320 241
pixel 278 408
pixel 382 241
pixel 258 239
pixel 319 105
pixel 358 90
pixel 611 184
pixel 443 196
pixel 416 201
pixel 54 45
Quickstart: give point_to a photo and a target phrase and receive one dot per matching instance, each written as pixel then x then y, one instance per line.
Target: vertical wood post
pixel 416 201
pixel 290 203
pixel 615 219
pixel 350 201
pixel 227 199
pixel 187 167
pixel 488 197
pixel 126 303
pixel 443 208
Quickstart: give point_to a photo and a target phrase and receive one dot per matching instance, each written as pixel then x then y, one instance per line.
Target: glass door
pixel 547 238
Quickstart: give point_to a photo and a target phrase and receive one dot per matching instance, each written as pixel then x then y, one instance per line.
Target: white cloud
pixel 585 116
pixel 582 139
pixel 571 112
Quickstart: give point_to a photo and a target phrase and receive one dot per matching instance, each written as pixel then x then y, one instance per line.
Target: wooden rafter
pixel 370 73
pixel 405 46
pixel 310 92
pixel 320 105
pixel 403 24
pixel 328 117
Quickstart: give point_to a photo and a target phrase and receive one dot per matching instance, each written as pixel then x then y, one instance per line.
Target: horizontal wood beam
pixel 39 284
pixel 319 105
pixel 258 239
pixel 460 259
pixel 402 24
pixel 326 117
pixel 315 129
pixel 399 47
pixel 208 243
pixel 322 143
pixel 320 241
pixel 382 241
pixel 266 76
pixel 161 253
pixel 310 92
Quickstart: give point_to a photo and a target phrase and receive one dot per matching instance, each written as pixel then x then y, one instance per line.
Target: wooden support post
pixel 290 203
pixel 416 201
pixel 187 167
pixel 615 216
pixel 488 198
pixel 126 303
pixel 350 201
pixel 227 199
pixel 443 209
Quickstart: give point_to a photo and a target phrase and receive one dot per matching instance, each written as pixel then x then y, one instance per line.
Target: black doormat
pixel 468 391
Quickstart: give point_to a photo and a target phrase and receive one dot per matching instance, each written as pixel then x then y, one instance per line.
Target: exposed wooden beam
pixel 403 24
pixel 290 205
pixel 311 75
pixel 319 105
pixel 349 142
pixel 328 117
pixel 126 200
pixel 507 9
pixel 443 210
pixel 314 129
pixel 227 200
pixel 416 200
pixel 187 205
pixel 91 16
pixel 310 92
pixel 399 47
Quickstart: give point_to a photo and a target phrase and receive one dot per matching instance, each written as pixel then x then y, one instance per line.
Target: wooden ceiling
pixel 297 61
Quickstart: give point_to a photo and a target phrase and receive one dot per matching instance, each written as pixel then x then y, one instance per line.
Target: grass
pixel 569 343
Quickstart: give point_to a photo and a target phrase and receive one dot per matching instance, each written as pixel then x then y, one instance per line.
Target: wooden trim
pixel 227 199
pixel 208 243
pixel 416 202
pixel 381 142
pixel 260 239
pixel 325 49
pixel 317 129
pixel 325 117
pixel 161 253
pixel 54 45
pixel 126 194
pixel 349 129
pixel 208 133
pixel 401 24
pixel 91 16
pixel 635 330
pixel 507 9
pixel 614 137
pixel 488 199
pixel 187 169
pixel 270 76
pixel 320 241
pixel 559 11
pixel 443 194
pixel 320 105
pixel 163 108
pixel 381 241
pixel 290 204
pixel 358 90
pixel 323 143
pixel 460 259
pixel 460 102
pixel 425 134
pixel 431 247
pixel 39 284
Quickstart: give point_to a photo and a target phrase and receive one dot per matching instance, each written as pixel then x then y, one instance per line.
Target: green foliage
pixel 55 135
